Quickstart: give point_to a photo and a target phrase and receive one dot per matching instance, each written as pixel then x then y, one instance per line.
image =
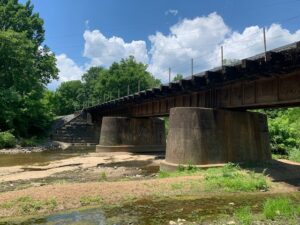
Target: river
pixel 40 158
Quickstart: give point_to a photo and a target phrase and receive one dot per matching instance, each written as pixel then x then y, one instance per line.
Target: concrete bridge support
pixel 132 135
pixel 202 136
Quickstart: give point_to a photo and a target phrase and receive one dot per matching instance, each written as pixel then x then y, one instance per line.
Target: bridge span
pixel 209 121
pixel 256 82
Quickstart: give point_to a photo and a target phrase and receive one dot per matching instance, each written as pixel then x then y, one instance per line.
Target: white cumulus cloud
pixel 190 38
pixel 103 51
pixel 68 69
pixel 250 42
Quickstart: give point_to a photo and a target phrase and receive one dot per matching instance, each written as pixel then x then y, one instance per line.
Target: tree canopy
pixel 178 77
pixel 100 84
pixel 25 68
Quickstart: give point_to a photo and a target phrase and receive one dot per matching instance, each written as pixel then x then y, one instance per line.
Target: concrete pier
pixel 132 135
pixel 202 137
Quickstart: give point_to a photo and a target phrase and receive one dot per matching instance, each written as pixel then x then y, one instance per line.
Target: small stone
pixel 231 203
pixel 231 222
pixel 171 222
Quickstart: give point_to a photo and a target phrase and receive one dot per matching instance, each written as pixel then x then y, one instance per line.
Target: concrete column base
pixel 211 137
pixel 122 134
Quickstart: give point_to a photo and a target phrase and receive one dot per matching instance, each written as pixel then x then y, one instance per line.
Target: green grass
pixel 294 155
pixel 278 156
pixel 28 205
pixel 180 171
pixel 279 207
pixel 244 216
pixel 103 176
pixel 231 178
pixel 177 186
pixel 90 200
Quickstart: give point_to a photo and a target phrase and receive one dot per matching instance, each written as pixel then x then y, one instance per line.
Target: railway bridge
pixel 209 117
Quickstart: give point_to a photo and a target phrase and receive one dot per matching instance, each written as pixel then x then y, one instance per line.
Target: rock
pixel 231 222
pixel 171 222
pixel 231 203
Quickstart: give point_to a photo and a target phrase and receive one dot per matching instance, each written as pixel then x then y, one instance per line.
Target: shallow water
pixel 84 217
pixel 147 211
pixel 41 158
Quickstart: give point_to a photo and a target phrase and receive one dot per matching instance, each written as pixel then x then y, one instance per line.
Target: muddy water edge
pixel 190 209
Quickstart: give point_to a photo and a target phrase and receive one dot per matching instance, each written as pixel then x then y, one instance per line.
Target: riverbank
pixel 45 146
pixel 116 179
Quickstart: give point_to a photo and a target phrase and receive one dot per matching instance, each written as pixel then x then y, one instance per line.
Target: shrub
pixel 7 140
pixel 29 142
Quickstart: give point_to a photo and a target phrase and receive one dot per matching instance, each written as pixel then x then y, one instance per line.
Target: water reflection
pixel 84 217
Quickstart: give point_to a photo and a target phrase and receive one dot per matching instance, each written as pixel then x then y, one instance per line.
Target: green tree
pixel 20 18
pixel 178 77
pixel 25 68
pixel 127 72
pixel 100 84
pixel 67 97
pixel 284 130
pixel 93 89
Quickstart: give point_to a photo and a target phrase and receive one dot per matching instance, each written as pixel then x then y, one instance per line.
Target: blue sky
pixel 162 33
